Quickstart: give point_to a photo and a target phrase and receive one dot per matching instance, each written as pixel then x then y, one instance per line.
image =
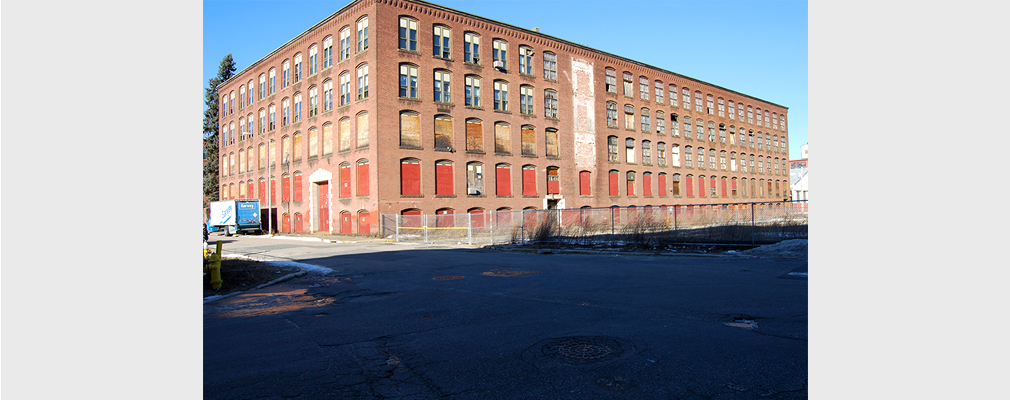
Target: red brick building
pixel 407 107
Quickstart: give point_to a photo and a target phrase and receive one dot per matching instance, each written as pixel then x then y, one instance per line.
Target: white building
pixel 798 175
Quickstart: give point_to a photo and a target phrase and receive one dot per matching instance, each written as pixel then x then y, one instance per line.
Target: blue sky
pixel 754 47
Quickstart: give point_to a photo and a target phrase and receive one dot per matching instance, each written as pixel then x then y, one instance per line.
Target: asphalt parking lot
pixel 425 322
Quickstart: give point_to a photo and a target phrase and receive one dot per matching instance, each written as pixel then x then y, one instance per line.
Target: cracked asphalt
pixel 381 327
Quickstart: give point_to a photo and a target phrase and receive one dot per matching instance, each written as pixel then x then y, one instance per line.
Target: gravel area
pixel 794 248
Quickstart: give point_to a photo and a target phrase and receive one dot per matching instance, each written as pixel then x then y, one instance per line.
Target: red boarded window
pixel 584 183
pixel 477 217
pixel 285 188
pixel 690 185
pixel 723 186
pixel 614 188
pixel 443 177
pixel 713 186
pixel 263 191
pixel 297 181
pixel 363 178
pixel 251 189
pixel 701 186
pixel 631 183
pixel 552 181
pixel 345 180
pixel 647 184
pixel 503 180
pixel 410 178
pixel 662 185
pixel 529 180
pixel 273 191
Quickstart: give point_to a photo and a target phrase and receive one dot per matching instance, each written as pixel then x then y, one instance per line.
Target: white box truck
pixel 235 216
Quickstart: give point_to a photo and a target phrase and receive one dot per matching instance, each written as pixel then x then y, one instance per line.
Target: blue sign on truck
pixel 235 216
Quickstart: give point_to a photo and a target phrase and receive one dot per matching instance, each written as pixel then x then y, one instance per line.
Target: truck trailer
pixel 235 216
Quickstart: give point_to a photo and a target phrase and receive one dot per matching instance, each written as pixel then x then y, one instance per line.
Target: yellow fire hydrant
pixel 215 267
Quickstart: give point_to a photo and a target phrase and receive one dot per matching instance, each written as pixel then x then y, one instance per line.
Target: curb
pixel 211 299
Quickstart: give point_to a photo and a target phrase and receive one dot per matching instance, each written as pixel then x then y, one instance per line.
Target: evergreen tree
pixel 211 134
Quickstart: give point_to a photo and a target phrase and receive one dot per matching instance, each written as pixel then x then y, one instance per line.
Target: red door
pixel 364 227
pixel 324 207
pixel 345 223
pixel 298 223
pixel 286 226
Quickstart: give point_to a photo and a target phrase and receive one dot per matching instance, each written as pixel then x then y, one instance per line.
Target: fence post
pixel 675 223
pixel 611 223
pixel 522 226
pixel 494 218
pixel 469 228
pixel 424 227
pixel 397 220
pixel 752 233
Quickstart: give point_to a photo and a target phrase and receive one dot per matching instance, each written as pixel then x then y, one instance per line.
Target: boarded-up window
pixel 503 180
pixel 410 177
pixel 529 180
pixel 551 137
pixel 701 186
pixel 362 126
pixel 661 184
pixel 474 135
pixel 722 183
pixel 313 142
pixel 690 185
pixel 327 139
pixel 296 151
pixel 529 147
pixel 231 164
pixel 345 180
pixel 297 182
pixel 502 143
pixel 410 130
pixel 614 184
pixel 647 184
pixel 285 188
pixel 273 153
pixel 676 185
pixel 553 186
pixel 585 183
pixel 249 159
pixel 631 183
pixel 443 178
pixel 443 132
pixel 252 189
pixel 344 134
pixel 241 160
pixel 363 178
pixel 241 190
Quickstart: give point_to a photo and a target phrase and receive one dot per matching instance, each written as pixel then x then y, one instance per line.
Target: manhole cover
pixel 584 350
pixel 448 277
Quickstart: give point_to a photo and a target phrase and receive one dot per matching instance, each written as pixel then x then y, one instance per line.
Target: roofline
pixel 509 26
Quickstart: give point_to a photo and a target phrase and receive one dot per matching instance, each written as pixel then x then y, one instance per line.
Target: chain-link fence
pixel 710 223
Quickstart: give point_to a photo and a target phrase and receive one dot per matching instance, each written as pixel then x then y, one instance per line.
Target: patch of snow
pixel 307 267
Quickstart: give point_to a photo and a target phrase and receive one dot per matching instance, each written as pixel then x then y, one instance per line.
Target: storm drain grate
pixel 448 277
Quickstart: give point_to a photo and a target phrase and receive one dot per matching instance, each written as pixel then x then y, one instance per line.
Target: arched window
pixel 443 133
pixel 503 179
pixel 443 178
pixel 408 33
pixel 474 135
pixel 440 40
pixel 631 183
pixel 410 130
pixel 551 139
pixel 474 178
pixel 526 60
pixel 611 114
pixel 502 138
pixel 612 152
pixel 471 47
pixel 362 129
pixel 362 181
pixel 410 177
pixel 629 146
pixel 499 50
pixel 363 34
pixel 441 86
pixel 528 138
